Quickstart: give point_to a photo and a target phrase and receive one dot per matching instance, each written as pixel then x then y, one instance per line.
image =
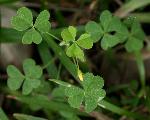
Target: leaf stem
pixel 51 61
pixel 141 69
pixel 54 36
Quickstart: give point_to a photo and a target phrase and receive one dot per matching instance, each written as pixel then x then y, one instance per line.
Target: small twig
pixel 49 63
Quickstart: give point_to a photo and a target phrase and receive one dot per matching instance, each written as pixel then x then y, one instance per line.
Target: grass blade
pixel 141 69
pixel 61 55
pixel 10 36
pixel 60 82
pixel 26 117
pixel 45 103
pixel 131 6
pixel 46 57
pixel 111 107
pixel 142 17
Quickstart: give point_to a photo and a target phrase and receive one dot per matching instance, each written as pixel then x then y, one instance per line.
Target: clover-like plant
pixel 75 46
pixel 110 30
pixel 24 21
pixel 136 36
pixel 28 81
pixel 90 94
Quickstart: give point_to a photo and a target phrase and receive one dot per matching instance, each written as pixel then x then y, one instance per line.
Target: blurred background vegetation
pixel 117 67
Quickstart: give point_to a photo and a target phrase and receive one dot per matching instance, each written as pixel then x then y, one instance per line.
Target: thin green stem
pixel 74 61
pixel 141 69
pixel 77 63
pixel 54 36
pixel 50 62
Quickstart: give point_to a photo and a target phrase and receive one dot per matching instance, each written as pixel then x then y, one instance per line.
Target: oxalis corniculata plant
pixel 109 32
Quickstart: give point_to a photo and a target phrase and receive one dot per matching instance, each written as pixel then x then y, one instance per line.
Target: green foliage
pixel 135 37
pixel 58 92
pixel 42 23
pixel 75 46
pixel 75 96
pixel 110 30
pixel 31 36
pixel 69 115
pixel 24 21
pixel 91 93
pixel 30 79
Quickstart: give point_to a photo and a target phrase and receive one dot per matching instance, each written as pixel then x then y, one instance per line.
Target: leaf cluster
pixel 90 94
pixel 23 21
pixel 75 47
pixel 111 31
pixel 28 81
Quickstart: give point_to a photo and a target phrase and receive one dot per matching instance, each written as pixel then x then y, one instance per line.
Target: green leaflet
pixel 105 19
pixel 74 48
pixel 135 40
pixel 75 96
pixel 90 94
pixel 133 44
pixel 31 36
pixel 29 85
pixel 30 80
pixel 109 41
pixel 69 34
pixel 95 30
pixel 24 21
pixel 93 91
pixel 15 77
pixel 31 69
pixel 110 30
pixel 84 41
pixel 42 23
pixel 75 51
